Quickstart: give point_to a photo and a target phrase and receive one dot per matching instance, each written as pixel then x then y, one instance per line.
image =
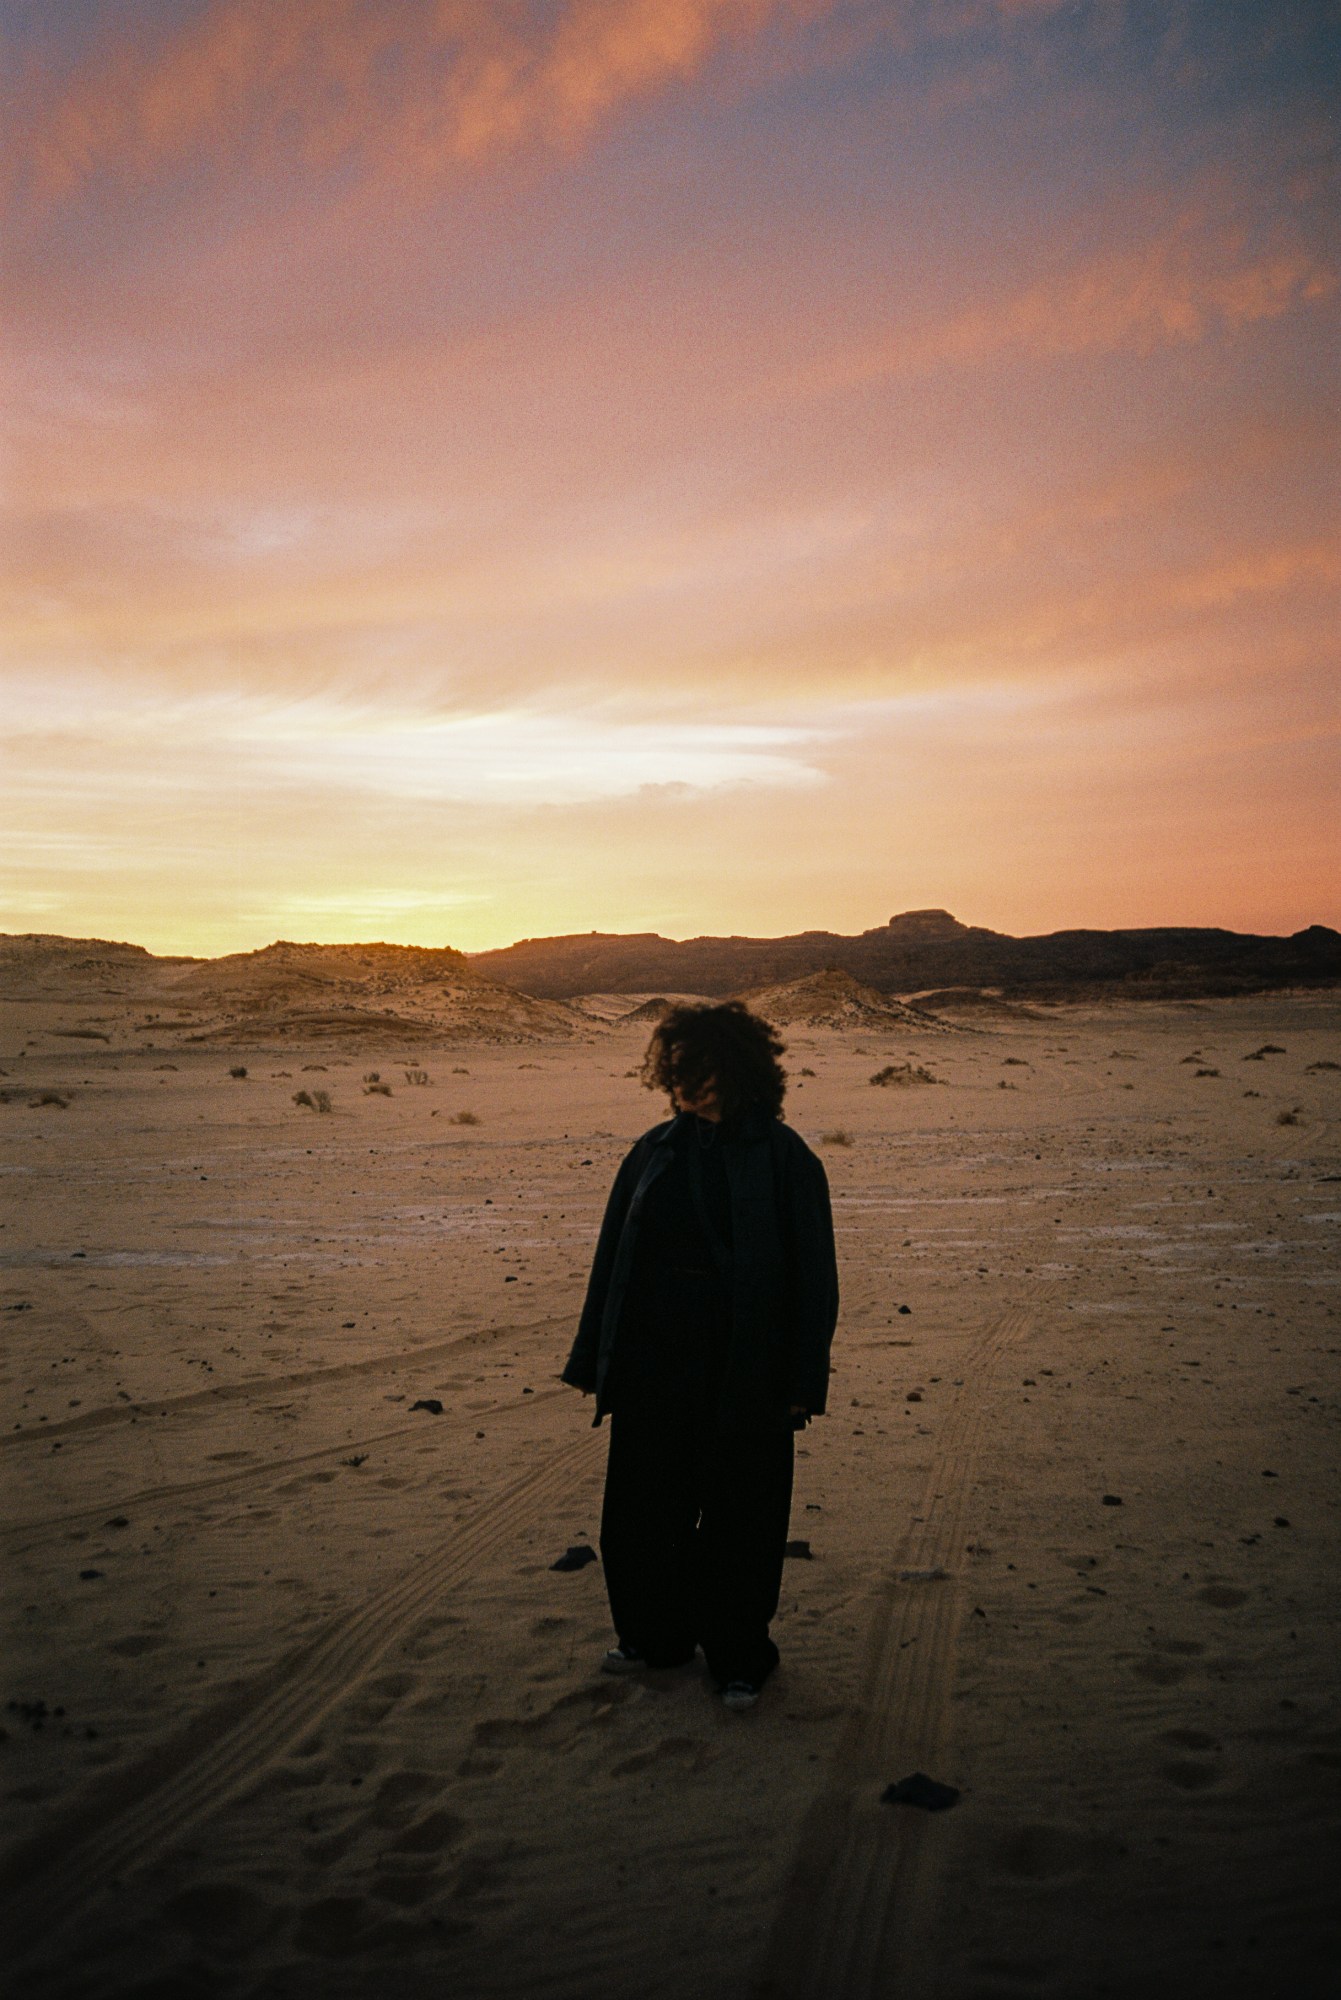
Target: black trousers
pixel 692 1536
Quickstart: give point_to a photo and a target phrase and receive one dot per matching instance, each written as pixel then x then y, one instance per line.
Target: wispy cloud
pixel 1185 282
pixel 516 758
pixel 242 83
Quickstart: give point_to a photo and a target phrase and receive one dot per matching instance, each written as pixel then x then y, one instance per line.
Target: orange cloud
pixel 320 80
pixel 1173 290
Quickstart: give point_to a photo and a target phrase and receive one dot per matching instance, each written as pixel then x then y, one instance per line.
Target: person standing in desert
pixel 705 1336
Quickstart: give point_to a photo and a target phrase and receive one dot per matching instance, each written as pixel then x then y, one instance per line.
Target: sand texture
pixel 297 1705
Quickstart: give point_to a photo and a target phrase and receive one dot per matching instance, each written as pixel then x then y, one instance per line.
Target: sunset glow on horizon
pixel 488 468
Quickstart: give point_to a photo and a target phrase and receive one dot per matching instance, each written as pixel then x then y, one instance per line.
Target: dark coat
pixel 784 1276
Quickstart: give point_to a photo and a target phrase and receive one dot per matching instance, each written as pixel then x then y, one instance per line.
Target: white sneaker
pixel 623 1660
pixel 740 1694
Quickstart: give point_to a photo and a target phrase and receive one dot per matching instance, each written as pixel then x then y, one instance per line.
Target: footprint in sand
pixel 339 1926
pixel 399 1797
pixel 1045 1853
pixel 1189 1739
pixel 406 1891
pixel 221 1916
pixel 430 1835
pixel 1190 1776
pixel 136 1643
pixel 685 1752
pixel 560 1726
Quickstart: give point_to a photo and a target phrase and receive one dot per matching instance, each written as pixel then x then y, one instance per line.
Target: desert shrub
pixel 806 1072
pixel 373 1076
pixel 416 1076
pixel 1017 1061
pixel 313 1100
pixel 1288 1117
pixel 459 1070
pixel 838 1137
pixel 894 1074
pixel 1208 1072
pixel 376 1089
pixel 1322 1065
pixel 302 1097
pixel 48 1097
pixel 238 1069
pixel 1004 1083
pixel 463 1118
pixel 312 1066
pixel 1267 1049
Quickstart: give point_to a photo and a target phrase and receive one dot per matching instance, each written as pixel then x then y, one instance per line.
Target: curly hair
pixel 725 1047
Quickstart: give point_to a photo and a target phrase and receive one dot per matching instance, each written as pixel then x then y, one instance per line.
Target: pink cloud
pixel 318 80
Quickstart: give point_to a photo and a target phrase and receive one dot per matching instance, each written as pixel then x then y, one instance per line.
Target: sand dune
pixel 80 989
pixel 299 1707
pixel 837 1000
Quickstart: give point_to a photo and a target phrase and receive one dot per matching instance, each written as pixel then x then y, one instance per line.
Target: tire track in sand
pixel 267 1386
pixel 848 1924
pixel 252 1477
pixel 141 1811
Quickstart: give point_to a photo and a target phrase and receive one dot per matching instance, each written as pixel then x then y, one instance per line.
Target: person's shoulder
pixel 655 1135
pixel 789 1146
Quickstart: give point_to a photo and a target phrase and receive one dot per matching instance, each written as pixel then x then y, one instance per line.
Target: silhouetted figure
pixel 705 1335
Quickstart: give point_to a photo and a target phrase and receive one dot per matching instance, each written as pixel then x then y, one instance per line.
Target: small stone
pixel 576 1557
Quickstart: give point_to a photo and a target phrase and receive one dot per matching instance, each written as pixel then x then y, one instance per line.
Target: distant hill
pixel 920 950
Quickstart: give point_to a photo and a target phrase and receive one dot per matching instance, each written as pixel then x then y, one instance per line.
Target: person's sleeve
pixel 580 1369
pixel 814 1279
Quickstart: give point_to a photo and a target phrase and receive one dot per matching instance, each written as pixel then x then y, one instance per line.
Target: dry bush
pixel 416 1076
pixel 463 1118
pixel 805 1072
pixel 372 1076
pixel 1267 1049
pixel 1208 1072
pixel 1321 1065
pixel 458 1069
pixel 238 1069
pixel 894 1074
pixel 838 1137
pixel 1019 1062
pixel 1288 1117
pixel 48 1097
pixel 315 1100
pixel 1003 1083
pixel 376 1089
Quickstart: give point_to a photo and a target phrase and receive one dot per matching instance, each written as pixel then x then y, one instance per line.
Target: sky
pixel 476 469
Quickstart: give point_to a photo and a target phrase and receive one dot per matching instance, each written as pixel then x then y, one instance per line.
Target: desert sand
pixel 297 1705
